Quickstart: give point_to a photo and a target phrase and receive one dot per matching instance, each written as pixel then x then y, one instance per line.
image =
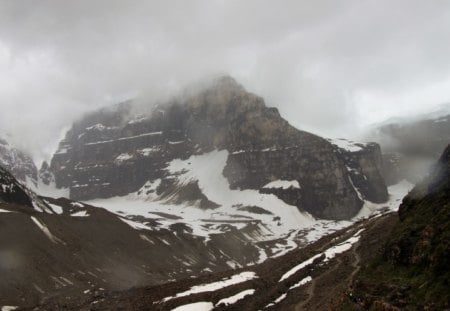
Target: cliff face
pixel 365 165
pixel 412 272
pixel 116 151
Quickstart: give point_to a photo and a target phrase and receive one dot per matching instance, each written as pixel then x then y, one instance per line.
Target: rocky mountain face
pixel 412 271
pixel 116 151
pixel 17 162
pixel 410 147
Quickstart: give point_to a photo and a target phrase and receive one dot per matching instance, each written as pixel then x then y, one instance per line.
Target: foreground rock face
pixel 116 151
pixel 412 271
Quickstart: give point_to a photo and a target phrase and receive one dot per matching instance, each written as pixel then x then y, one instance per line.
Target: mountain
pixel 411 146
pixel 411 272
pixel 17 162
pixel 249 148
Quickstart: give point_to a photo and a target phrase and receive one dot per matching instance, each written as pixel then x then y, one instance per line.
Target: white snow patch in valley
pixel 235 298
pixel 341 248
pixel 147 151
pixel 283 184
pixel 9 308
pixel 196 306
pixel 135 224
pixel 77 204
pixel 123 158
pixel 396 194
pixel 56 208
pixel 301 283
pixel 278 300
pixel 299 267
pixel 207 170
pixel 80 214
pixel 5 211
pixel 210 287
pixel 46 231
pixel 329 254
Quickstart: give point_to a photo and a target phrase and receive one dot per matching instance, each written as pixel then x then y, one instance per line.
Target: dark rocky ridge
pixel 115 151
pixel 411 271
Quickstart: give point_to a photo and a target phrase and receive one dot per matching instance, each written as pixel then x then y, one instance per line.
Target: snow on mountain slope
pixel 234 206
pixel 261 217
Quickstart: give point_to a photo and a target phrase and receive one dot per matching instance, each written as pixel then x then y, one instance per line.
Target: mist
pixel 330 67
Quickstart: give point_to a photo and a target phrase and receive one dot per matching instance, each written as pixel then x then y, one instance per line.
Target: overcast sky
pixel 329 66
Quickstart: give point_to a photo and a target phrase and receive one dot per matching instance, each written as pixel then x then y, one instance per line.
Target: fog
pixel 331 67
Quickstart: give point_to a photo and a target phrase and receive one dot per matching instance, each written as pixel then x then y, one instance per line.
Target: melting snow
pixel 283 184
pixel 56 208
pixel 135 224
pixel 235 298
pixel 123 157
pixel 396 194
pixel 235 279
pixel 196 306
pixel 329 254
pixel 207 170
pixel 9 308
pixel 80 214
pixel 45 230
pixel 301 283
pixel 299 267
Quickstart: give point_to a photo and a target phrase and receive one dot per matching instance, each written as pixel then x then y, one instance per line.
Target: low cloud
pixel 329 66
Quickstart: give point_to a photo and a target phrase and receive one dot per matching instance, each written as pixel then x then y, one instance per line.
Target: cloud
pixel 329 66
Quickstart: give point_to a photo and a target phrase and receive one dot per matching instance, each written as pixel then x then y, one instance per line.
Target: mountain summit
pixel 115 152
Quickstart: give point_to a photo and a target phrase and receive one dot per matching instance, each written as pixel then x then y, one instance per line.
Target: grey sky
pixel 329 66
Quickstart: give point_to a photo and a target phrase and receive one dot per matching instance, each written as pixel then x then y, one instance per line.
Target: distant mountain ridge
pixel 411 146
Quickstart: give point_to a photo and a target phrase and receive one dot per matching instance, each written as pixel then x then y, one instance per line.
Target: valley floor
pixel 317 277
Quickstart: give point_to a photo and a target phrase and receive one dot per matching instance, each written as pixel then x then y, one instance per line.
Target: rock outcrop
pixel 17 162
pixel 365 165
pixel 115 151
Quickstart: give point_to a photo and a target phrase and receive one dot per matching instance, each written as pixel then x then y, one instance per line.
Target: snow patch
pixel 196 306
pixel 123 158
pixel 283 184
pixel 46 231
pixel 235 298
pixel 80 214
pixel 301 283
pixel 210 287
